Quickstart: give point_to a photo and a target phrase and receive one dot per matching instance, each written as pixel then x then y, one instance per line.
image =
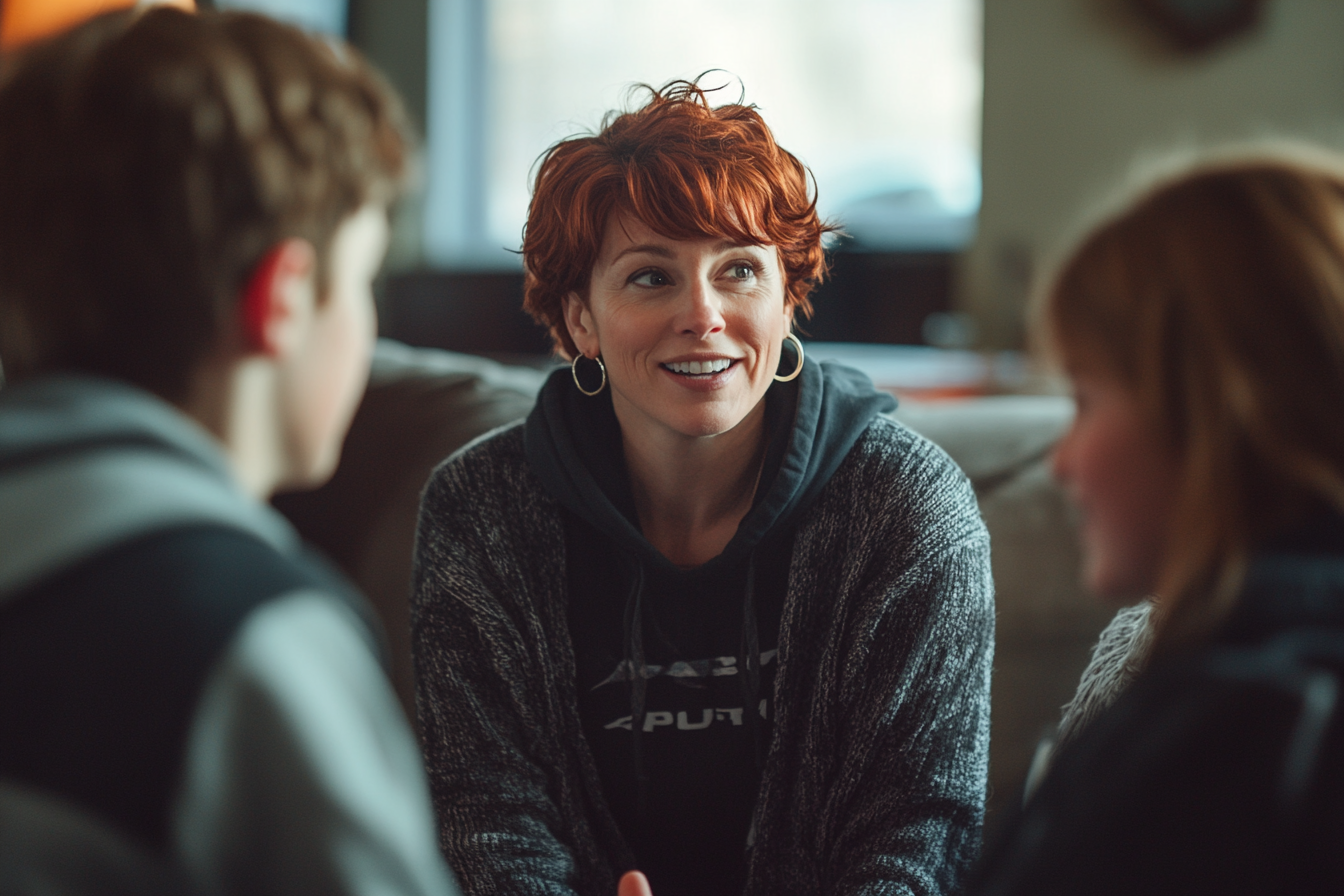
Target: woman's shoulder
pixel 500 451
pixel 501 445
pixel 897 500
pixel 891 440
pixel 892 468
pixel 491 470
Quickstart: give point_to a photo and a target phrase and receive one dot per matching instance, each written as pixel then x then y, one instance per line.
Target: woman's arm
pixel 493 737
pixel 917 745
pixel 884 717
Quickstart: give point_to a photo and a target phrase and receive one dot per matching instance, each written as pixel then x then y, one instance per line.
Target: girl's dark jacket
pixel 1220 769
pixel 874 780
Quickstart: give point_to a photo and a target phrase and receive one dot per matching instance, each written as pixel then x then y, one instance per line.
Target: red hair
pixel 687 171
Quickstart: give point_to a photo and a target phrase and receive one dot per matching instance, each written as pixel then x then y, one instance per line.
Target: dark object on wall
pixel 479 313
pixel 391 33
pixel 1197 25
pixel 880 297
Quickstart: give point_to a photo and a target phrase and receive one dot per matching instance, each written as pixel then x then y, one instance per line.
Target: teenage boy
pixel 191 211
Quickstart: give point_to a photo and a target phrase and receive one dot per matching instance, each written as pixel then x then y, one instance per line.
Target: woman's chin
pixel 702 419
pixel 687 413
pixel 706 425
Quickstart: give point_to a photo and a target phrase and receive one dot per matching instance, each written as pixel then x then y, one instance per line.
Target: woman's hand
pixel 633 883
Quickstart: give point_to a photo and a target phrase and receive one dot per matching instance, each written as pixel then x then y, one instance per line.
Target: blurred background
pixel 956 141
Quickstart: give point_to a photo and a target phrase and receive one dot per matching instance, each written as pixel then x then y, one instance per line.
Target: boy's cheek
pixel 324 397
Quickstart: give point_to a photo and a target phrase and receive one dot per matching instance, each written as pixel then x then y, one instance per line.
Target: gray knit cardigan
pixel 874 781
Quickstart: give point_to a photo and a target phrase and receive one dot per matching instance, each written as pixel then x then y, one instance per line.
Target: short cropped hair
pixel 685 169
pixel 148 162
pixel 1217 296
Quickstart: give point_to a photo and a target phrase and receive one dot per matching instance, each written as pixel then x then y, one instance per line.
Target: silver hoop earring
pixel 797 370
pixel 574 371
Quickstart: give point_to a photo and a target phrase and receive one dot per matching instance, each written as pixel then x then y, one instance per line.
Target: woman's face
pixel 690 330
pixel 1123 476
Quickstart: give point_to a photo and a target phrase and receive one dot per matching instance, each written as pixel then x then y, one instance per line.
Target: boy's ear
pixel 279 294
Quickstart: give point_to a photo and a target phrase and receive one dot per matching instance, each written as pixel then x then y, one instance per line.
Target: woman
pixel 708 612
pixel 1203 329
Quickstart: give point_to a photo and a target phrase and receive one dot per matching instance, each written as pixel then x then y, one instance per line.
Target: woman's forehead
pixel 626 234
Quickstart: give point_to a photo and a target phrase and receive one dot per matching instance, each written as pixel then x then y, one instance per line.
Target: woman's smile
pixel 705 375
pixel 699 368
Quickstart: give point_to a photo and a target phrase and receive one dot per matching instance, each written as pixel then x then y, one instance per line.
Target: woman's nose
pixel 701 312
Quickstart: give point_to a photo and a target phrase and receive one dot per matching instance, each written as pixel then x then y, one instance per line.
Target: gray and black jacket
pixel 874 776
pixel 191 704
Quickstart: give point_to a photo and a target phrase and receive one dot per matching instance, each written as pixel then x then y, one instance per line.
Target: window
pixel 881 98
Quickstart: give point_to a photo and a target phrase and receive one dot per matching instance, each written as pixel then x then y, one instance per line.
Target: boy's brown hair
pixel 149 161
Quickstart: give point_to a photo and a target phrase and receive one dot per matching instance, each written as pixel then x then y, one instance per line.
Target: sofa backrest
pixel 424 404
pixel 421 405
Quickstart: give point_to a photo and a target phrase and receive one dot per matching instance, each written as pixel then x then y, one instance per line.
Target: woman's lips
pixel 703 381
pixel 700 367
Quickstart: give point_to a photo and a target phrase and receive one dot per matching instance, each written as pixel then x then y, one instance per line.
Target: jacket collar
pixel 87 463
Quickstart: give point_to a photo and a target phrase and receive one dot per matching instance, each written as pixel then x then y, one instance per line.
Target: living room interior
pixel 1072 98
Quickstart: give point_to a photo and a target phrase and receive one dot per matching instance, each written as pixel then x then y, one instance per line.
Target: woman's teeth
pixel 697 367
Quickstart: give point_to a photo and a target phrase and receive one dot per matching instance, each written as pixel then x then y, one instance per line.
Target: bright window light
pixel 880 98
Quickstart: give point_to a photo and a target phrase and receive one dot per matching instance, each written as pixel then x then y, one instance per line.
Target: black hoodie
pixel 682 785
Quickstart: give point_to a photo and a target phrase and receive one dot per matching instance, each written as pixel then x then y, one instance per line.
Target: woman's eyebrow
pixel 646 248
pixel 663 251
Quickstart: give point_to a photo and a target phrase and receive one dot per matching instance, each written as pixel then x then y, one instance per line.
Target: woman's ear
pixel 279 297
pixel 579 322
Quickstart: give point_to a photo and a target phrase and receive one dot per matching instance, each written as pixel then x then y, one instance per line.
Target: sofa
pixel 423 404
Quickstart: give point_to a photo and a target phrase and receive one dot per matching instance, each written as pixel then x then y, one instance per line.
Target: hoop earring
pixel 574 372
pixel 797 370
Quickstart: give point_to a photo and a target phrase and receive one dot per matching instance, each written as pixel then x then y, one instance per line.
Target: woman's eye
pixel 742 271
pixel 650 278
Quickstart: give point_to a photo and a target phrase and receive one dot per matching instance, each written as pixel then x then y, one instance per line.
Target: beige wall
pixel 1076 90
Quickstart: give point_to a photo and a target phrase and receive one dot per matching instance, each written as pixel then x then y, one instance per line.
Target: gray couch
pixel 421 405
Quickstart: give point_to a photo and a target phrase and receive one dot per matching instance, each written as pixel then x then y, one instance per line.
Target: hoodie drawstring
pixel 751 664
pixel 634 657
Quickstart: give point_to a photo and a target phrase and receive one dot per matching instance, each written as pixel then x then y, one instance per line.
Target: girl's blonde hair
pixel 1218 296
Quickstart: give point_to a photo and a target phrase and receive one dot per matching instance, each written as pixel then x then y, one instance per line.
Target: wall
pixel 392 34
pixel 1077 90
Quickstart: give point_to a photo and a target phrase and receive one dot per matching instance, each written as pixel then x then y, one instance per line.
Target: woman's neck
pixel 691 493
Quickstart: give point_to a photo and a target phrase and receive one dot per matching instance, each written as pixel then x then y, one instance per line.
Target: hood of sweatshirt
pixel 573 444
pixel 87 463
